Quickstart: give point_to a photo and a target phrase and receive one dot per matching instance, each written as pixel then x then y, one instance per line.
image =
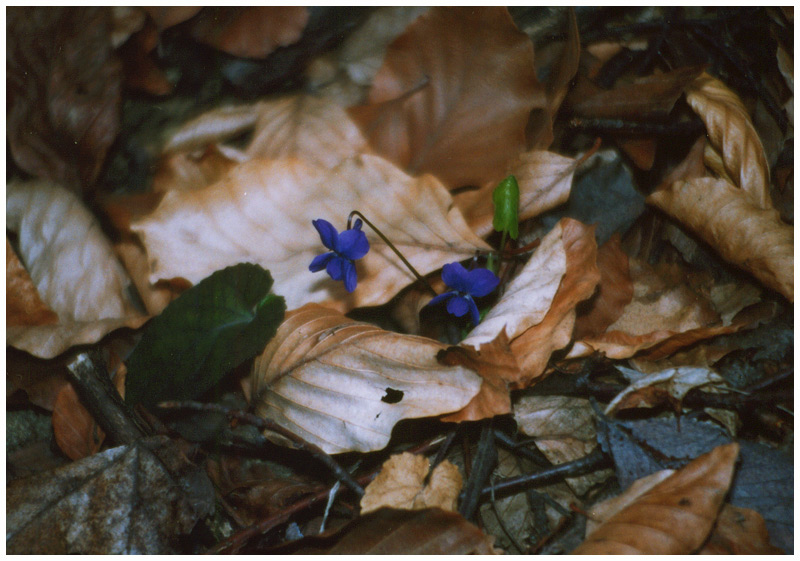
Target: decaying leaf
pixel 672 384
pixel 262 211
pixel 434 105
pixel 402 532
pixel 731 131
pixel 63 92
pixel 400 484
pixel 131 499
pixel 673 518
pixel 73 267
pixel 343 385
pixel 544 180
pixel 76 432
pixel 744 234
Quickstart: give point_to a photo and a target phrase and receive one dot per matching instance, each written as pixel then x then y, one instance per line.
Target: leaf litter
pixel 412 119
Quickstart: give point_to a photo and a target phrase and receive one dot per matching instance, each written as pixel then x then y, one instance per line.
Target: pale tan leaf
pixel 213 126
pixel 673 518
pixel 73 267
pixel 400 484
pixel 262 212
pixel 731 131
pixel 23 304
pixel 343 385
pixel 739 531
pixel 433 106
pixel 648 390
pixel 544 179
pixel 744 234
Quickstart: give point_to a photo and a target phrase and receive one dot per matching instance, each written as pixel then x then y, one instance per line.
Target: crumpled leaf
pixel 434 105
pixel 731 131
pixel 343 385
pixel 726 217
pixel 400 484
pixel 402 532
pixel 63 105
pixel 251 31
pixel 133 499
pixel 544 180
pixel 674 517
pixel 73 267
pixel 262 212
pixel 672 384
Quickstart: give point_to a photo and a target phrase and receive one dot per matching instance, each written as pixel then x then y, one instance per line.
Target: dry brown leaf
pixel 76 432
pixel 73 267
pixel 252 31
pixel 673 518
pixel 343 385
pixel 140 69
pixel 672 384
pixel 434 105
pixel 262 211
pixel 400 484
pixel 739 531
pixel 544 179
pixel 63 88
pixel 731 131
pixel 23 304
pixel 744 234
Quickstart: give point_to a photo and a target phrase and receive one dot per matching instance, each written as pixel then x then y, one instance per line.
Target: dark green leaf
pixel 506 207
pixel 209 330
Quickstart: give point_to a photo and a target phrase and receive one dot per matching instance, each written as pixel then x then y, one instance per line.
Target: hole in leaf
pixel 392 396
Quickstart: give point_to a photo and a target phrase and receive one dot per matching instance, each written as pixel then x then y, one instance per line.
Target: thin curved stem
pixel 392 247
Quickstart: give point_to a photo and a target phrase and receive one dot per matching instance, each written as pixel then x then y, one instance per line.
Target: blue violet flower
pixel 465 286
pixel 345 248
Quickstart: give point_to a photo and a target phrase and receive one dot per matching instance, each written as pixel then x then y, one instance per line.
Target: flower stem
pixel 493 261
pixel 392 247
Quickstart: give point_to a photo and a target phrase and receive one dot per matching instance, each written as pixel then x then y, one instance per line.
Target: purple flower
pixel 345 248
pixel 465 285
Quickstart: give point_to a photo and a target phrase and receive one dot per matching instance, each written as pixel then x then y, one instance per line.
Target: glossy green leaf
pixel 210 329
pixel 506 207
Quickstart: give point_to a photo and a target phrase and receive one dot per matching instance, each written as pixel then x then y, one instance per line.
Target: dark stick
pixel 102 400
pixel 482 466
pixel 266 424
pixel 694 126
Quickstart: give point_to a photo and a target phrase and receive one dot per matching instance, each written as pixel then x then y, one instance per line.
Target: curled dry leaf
pixel 343 385
pixel 672 384
pixel 401 484
pixel 63 105
pixel 73 267
pixel 743 233
pixel 544 180
pixel 731 131
pixel 262 211
pixel 673 518
pixel 252 31
pixel 434 104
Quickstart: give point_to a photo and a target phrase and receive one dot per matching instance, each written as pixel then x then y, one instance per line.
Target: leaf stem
pixel 392 247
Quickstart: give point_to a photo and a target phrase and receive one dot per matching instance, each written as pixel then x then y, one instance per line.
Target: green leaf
pixel 506 207
pixel 210 329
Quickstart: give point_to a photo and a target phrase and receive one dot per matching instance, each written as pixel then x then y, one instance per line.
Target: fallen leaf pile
pixel 649 288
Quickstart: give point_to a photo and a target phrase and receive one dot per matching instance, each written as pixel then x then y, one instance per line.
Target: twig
pixel 502 524
pixel 690 127
pixel 266 424
pixel 482 466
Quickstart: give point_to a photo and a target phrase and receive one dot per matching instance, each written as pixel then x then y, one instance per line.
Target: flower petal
pixel 352 244
pixel 336 268
pixel 320 261
pixel 444 296
pixel 473 309
pixel 455 276
pixel 481 282
pixel 459 305
pixel 327 233
pixel 350 278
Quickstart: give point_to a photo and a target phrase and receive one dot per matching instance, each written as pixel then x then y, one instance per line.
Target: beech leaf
pixel 203 334
pixel 753 238
pixel 731 131
pixel 401 484
pixel 433 106
pixel 673 518
pixel 262 212
pixel 148 494
pixel 343 385
pixel 73 267
pixel 23 304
